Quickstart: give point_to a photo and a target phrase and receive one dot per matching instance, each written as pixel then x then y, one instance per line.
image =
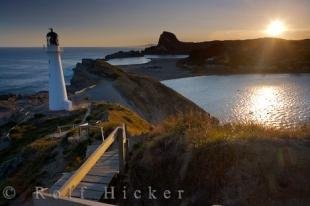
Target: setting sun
pixel 275 28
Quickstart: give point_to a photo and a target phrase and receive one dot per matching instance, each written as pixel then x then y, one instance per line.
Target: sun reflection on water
pixel 270 105
pixel 263 102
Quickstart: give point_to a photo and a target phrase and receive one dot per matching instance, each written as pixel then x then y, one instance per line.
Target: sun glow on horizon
pixel 275 28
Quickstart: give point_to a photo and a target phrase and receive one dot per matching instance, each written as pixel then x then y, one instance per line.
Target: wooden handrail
pixel 78 176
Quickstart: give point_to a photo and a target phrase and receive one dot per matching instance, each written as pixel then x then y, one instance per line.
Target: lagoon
pixel 277 100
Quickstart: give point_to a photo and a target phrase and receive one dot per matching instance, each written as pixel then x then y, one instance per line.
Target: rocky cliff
pixel 151 99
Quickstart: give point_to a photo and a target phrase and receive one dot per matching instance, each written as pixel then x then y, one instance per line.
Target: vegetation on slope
pixel 31 149
pixel 113 115
pixel 37 159
pixel 223 164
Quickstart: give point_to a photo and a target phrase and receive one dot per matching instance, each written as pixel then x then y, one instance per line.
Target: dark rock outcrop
pixel 168 43
pixel 168 38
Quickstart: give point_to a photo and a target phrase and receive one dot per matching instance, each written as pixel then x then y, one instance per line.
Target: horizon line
pixel 154 44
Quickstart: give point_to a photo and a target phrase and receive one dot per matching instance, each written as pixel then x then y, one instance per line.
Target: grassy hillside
pixel 115 115
pixel 229 165
pixel 22 164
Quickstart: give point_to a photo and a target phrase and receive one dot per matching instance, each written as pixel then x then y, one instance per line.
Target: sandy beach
pixel 159 69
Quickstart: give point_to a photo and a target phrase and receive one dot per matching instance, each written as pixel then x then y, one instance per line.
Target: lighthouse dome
pixel 52 38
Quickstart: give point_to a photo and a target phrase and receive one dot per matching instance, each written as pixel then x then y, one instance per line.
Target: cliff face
pixel 149 98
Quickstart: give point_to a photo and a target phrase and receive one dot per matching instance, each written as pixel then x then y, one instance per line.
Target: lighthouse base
pixel 65 105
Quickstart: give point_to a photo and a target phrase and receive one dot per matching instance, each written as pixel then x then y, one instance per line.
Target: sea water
pixel 25 70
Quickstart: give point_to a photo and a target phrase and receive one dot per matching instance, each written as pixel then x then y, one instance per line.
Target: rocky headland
pixel 96 80
pixel 263 55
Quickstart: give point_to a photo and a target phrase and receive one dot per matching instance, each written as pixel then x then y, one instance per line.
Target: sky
pixel 108 23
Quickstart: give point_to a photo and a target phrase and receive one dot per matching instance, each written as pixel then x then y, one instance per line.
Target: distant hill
pixel 239 56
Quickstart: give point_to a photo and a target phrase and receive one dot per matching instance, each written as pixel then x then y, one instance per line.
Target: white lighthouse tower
pixel 58 99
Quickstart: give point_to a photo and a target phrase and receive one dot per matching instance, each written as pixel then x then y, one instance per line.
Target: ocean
pixel 25 70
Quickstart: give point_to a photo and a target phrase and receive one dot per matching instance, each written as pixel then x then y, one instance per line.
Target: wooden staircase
pixel 90 182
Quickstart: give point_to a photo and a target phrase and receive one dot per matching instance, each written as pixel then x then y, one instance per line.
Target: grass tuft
pixel 232 164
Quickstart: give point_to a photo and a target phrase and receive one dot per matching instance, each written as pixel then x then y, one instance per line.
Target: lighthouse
pixel 58 99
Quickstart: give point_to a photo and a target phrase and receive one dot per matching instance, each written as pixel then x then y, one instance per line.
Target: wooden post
pixel 59 130
pixel 102 134
pixel 122 150
pixel 126 142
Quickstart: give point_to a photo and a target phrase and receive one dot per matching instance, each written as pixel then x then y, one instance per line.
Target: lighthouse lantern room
pixel 58 99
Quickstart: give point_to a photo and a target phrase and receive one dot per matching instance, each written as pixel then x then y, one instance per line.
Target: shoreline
pixel 159 69
pixel 168 69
